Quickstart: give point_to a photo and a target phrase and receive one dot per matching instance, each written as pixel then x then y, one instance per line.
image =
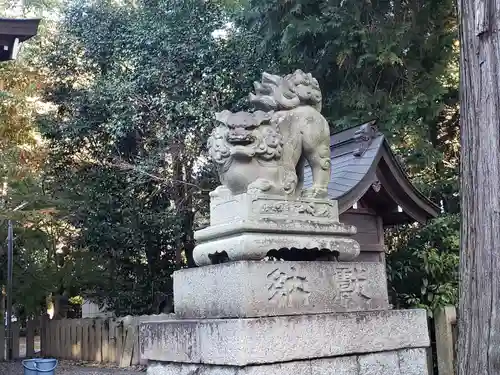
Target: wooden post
pixel 85 339
pixel 120 332
pixel 73 341
pixel 63 346
pixel 143 361
pixel 136 357
pixel 79 340
pixel 98 341
pixel 112 341
pixel 2 342
pixel 56 338
pixel 128 343
pixel 68 346
pixel 46 337
pixel 30 338
pixel 88 356
pixel 15 340
pixel 90 351
pixel 60 338
pixel 50 337
pixel 105 340
pixel 444 320
pixel 43 335
pixel 479 302
pixel 91 354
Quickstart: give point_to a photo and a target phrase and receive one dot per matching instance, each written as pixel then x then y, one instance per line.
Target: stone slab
pixel 250 245
pixel 270 288
pixel 280 226
pixel 349 365
pixel 386 363
pixel 249 226
pixel 240 342
pixel 413 361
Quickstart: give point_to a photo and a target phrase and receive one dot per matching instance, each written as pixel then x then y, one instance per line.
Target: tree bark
pixel 479 310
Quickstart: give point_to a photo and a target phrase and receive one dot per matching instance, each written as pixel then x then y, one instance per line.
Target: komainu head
pixel 244 136
pixel 284 93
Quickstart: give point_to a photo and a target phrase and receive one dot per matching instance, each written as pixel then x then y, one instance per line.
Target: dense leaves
pixel 122 177
pixel 136 89
pixel 23 156
pixel 422 264
pixel 391 60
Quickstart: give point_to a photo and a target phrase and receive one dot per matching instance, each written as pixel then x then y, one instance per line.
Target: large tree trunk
pixel 479 310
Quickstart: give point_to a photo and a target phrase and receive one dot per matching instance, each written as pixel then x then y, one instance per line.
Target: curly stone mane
pixel 285 93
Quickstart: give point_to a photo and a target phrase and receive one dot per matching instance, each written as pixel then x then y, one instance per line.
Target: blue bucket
pixel 40 366
pixel 30 367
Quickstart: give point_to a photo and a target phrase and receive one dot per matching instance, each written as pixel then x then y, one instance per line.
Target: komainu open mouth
pixel 240 138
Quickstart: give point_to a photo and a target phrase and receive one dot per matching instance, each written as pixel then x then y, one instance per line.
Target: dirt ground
pixel 72 368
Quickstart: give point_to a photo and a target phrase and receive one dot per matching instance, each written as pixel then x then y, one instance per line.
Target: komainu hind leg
pixel 320 163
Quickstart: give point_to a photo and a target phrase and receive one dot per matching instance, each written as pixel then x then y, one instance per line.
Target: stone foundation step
pixel 241 342
pixel 401 362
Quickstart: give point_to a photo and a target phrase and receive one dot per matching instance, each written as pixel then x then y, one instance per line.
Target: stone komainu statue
pixel 265 151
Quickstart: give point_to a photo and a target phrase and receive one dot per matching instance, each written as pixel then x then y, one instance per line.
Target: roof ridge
pixel 373 120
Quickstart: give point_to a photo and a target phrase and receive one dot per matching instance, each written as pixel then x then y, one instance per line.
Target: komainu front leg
pixel 260 185
pixel 221 191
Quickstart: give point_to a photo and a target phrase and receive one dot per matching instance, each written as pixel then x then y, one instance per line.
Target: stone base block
pixel 401 362
pixel 228 208
pixel 241 342
pixel 249 227
pixel 254 289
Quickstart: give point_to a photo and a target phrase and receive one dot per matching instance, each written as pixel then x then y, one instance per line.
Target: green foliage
pixel 423 264
pixel 391 60
pixel 23 156
pixel 136 88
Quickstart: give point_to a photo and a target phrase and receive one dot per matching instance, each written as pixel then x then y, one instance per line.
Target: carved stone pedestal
pixel 240 313
pixel 253 226
pixel 312 318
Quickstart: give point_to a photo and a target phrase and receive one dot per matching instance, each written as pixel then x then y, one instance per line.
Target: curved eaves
pixel 397 184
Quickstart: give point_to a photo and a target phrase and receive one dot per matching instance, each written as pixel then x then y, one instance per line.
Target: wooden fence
pixel 101 340
pixel 107 340
pixel 24 346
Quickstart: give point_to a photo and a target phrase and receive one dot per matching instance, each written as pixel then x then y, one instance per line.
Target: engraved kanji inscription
pixel 287 289
pixel 308 209
pixel 351 283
